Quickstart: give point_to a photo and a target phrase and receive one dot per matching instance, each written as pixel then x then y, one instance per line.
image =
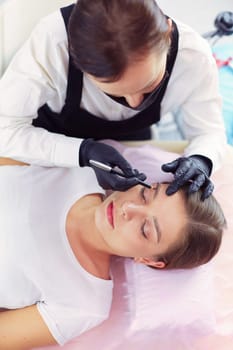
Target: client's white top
pixel 37 265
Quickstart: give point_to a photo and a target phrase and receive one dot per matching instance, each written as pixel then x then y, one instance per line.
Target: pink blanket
pixel 168 310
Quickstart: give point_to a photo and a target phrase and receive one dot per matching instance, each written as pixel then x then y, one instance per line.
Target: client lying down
pixel 58 231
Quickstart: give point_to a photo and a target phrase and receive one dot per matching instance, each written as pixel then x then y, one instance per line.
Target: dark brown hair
pixel 106 35
pixel 202 235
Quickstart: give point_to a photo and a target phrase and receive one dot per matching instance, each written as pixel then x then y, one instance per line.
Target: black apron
pixel 74 121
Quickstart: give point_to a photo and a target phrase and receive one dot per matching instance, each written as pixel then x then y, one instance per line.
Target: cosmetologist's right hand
pixel 108 155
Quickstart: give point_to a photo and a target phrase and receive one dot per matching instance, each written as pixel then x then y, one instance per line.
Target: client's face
pixel 141 222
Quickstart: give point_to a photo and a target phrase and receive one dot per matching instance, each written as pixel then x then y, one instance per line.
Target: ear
pixel 150 262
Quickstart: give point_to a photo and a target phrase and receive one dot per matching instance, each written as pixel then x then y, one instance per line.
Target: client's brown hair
pixel 202 235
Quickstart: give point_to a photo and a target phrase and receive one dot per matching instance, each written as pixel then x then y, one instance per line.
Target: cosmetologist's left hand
pixel 194 170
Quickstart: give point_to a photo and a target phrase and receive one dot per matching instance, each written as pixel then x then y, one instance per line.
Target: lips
pixel 110 214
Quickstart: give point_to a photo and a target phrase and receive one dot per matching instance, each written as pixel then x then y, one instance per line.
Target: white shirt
pixel 37 264
pixel 38 75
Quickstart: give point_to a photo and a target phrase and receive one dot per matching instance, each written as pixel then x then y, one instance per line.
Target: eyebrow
pixel 156 224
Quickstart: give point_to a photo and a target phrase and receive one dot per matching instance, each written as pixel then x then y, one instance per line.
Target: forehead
pixel 171 210
pixel 138 75
pixel 171 214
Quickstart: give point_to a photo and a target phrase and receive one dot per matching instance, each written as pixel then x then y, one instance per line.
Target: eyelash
pixel 142 230
pixel 142 195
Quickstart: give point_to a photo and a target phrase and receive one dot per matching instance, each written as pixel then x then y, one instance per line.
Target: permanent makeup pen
pixel 109 169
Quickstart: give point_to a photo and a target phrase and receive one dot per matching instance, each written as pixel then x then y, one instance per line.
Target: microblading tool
pixel 109 169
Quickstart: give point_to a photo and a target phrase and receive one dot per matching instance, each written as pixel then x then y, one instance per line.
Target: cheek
pixel 126 231
pixel 129 235
pixel 101 223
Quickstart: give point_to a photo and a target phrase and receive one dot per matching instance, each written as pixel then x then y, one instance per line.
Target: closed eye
pixel 142 194
pixel 143 230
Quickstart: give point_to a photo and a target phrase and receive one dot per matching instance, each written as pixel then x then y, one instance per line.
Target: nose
pixel 134 100
pixel 130 210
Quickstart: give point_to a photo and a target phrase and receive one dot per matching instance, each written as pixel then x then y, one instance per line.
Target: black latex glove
pixel 194 170
pixel 108 155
